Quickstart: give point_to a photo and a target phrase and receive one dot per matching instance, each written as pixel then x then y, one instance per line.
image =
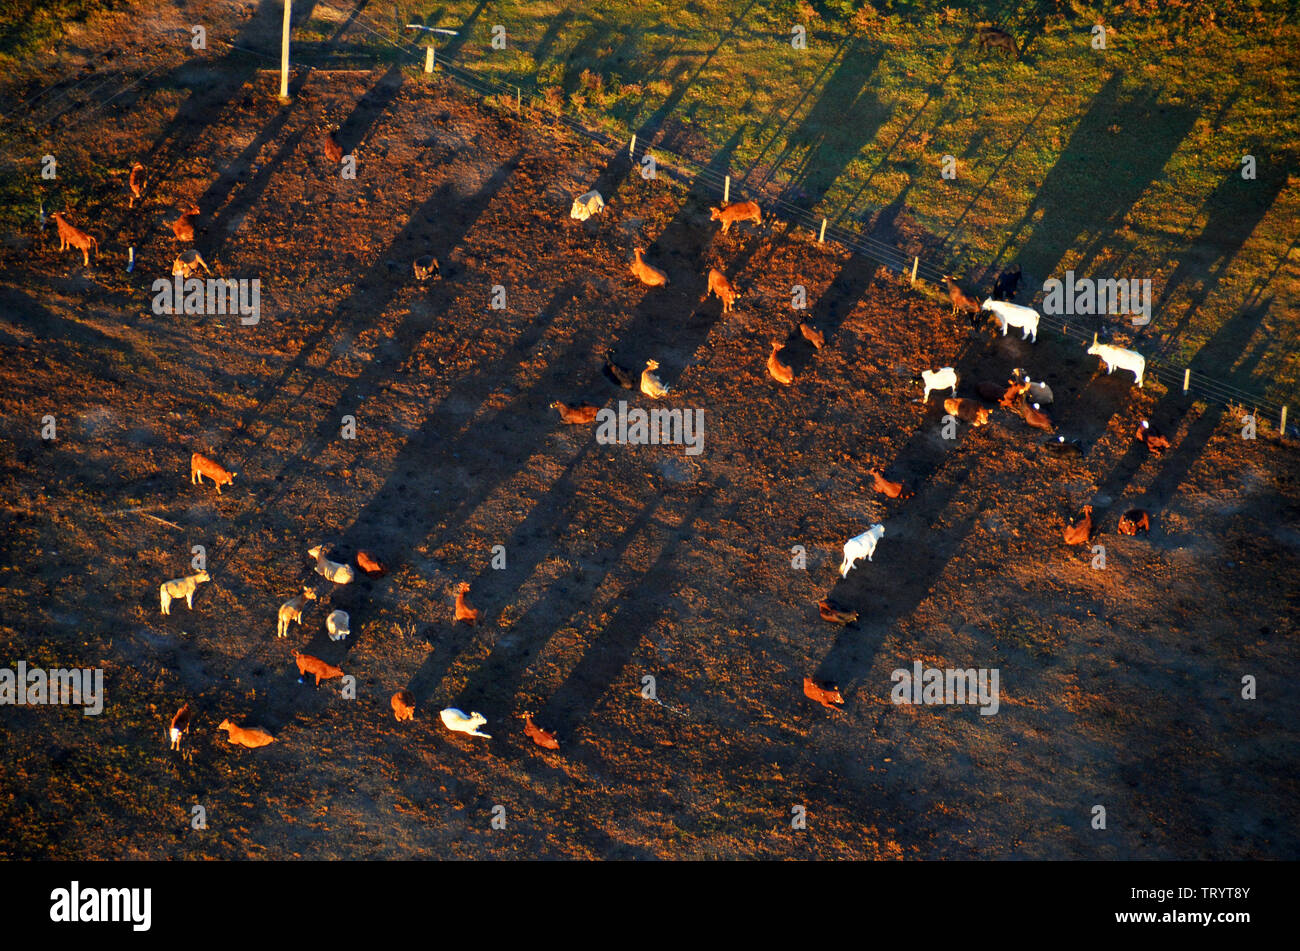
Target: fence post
pixel 1187 379
pixel 428 59
pixel 1282 426
pixel 284 53
pixel 916 262
pixel 726 190
pixel 821 237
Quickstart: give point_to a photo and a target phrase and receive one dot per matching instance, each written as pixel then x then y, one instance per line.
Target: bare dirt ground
pixel 1119 687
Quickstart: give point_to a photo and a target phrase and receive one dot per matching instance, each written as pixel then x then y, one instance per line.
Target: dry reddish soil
pixel 1119 686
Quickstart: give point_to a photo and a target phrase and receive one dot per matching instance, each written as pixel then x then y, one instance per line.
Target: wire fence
pixel 1194 384
pixel 692 172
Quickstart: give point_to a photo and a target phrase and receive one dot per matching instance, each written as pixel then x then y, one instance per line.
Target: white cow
pixel 181 588
pixel 1112 357
pixel 587 205
pixel 455 720
pixel 336 625
pixel 937 380
pixel 1014 315
pixel 864 546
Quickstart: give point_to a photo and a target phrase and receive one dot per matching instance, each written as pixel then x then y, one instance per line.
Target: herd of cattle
pixel 1021 395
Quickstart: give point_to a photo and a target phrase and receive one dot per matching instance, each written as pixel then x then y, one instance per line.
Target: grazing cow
pixel 314 665
pixel 990 37
pixel 1013 315
pixel 201 465
pixel 183 227
pixel 1134 521
pixel 403 704
pixel 71 236
pixel 895 490
pixel 835 614
pixel 586 205
pixel 1079 529
pixel 813 335
pixel 333 151
pixel 738 211
pixel 188 263
pixel 539 736
pixel 828 696
pixel 1113 357
pixel 719 285
pixel 862 546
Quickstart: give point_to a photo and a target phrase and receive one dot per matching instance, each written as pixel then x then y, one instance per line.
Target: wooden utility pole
pixel 284 53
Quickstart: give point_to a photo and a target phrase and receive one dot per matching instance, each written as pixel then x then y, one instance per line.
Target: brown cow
pixel 403 704
pixel 371 565
pixel 538 735
pixel 739 211
pixel 464 610
pixel 813 335
pixel 967 410
pixel 960 301
pixel 71 236
pixel 1079 529
pixel 577 414
pixel 828 696
pixel 719 285
pixel 201 465
pixel 251 737
pixel 1134 521
pixel 333 151
pixel 895 490
pixel 835 614
pixel 314 665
